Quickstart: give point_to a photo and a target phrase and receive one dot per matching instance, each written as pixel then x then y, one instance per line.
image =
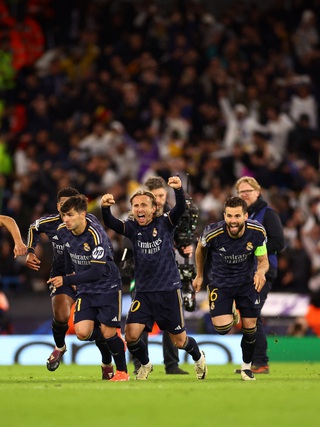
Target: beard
pixel 236 231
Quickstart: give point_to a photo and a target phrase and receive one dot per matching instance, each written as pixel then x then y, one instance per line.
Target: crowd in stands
pixel 100 95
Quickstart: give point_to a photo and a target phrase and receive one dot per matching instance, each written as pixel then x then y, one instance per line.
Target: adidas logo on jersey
pixel 222 249
pixel 115 319
pixel 177 328
pixel 55 237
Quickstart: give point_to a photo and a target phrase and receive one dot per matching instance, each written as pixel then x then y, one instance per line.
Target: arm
pixel 11 225
pixel 259 278
pixel 90 275
pixel 200 258
pixel 109 220
pixel 32 261
pixel 274 230
pixel 180 206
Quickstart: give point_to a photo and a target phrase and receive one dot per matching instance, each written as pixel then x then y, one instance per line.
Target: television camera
pixel 184 236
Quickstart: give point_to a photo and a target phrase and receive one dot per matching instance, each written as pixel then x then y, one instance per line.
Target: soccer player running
pixel 11 225
pixel 158 187
pixel 63 298
pixel 157 295
pixel 89 265
pixel 233 255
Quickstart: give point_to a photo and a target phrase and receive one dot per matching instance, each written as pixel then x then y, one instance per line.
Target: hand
pixel 19 249
pixel 187 250
pixel 174 182
pixel 56 281
pixel 107 200
pixel 33 262
pixel 197 283
pixel 259 280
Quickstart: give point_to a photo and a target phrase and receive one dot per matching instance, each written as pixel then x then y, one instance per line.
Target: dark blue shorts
pixel 165 308
pixel 64 290
pixel 101 308
pixel 246 297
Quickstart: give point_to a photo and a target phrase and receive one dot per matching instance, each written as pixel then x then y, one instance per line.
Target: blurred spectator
pixel 6 326
pixel 313 313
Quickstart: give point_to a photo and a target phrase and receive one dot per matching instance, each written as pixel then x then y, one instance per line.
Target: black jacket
pixel 272 223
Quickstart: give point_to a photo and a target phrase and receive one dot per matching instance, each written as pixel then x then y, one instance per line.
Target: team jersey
pixel 231 262
pixel 48 225
pixel 153 248
pixel 90 256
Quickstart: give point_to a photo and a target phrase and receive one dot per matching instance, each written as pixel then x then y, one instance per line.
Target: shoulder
pixel 97 232
pixel 213 230
pixel 53 219
pixel 252 224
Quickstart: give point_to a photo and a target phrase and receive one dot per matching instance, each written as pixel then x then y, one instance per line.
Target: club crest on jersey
pixel 154 232
pixel 98 252
pixel 86 247
pixel 249 246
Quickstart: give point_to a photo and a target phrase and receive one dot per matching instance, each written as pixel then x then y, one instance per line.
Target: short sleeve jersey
pixel 91 247
pixel 48 225
pixel 155 265
pixel 231 262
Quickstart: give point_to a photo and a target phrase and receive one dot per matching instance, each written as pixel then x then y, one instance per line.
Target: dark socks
pixel 248 343
pixel 116 347
pixel 106 356
pixel 191 347
pixel 138 350
pixel 59 331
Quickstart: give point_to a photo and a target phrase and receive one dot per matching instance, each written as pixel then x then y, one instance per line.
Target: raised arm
pixel 180 206
pixel 109 220
pixel 11 225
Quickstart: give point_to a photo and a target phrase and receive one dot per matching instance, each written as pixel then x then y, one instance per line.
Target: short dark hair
pixel 155 182
pixel 67 192
pixel 234 202
pixel 79 203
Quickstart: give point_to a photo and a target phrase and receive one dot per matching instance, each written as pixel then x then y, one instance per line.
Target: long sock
pixel 106 356
pixel 116 347
pixel 191 347
pixel 95 334
pixel 59 331
pixel 138 350
pixel 248 343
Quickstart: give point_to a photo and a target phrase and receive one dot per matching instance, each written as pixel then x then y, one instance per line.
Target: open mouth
pixel 141 218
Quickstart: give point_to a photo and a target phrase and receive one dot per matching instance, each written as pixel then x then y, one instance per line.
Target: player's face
pixel 235 221
pixel 143 209
pixel 161 198
pixel 248 193
pixel 75 221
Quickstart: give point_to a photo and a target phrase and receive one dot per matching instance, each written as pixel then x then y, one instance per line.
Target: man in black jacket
pixel 250 191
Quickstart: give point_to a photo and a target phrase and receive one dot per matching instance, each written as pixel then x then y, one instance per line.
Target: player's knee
pixel 131 337
pixel 223 329
pixel 83 334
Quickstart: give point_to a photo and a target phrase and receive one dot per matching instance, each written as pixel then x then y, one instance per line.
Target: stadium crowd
pixel 100 95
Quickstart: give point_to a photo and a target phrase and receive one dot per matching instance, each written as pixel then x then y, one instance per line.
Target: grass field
pixel 75 396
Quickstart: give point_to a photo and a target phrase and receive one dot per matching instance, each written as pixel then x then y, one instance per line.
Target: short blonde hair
pixel 249 180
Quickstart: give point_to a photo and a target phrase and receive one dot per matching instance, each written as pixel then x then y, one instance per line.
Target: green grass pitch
pixel 75 396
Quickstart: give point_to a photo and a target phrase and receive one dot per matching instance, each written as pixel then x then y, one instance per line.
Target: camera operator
pixel 158 187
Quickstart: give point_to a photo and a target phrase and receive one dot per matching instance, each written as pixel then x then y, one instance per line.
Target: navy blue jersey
pixel 90 255
pixel 155 265
pixel 48 225
pixel 231 262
